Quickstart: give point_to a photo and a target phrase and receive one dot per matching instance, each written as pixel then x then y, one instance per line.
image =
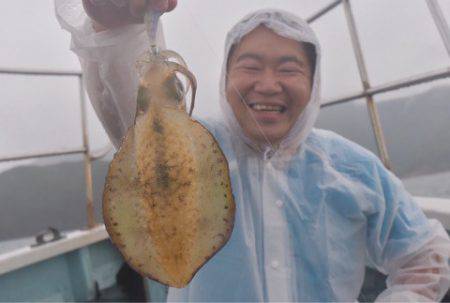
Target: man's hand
pixel 107 15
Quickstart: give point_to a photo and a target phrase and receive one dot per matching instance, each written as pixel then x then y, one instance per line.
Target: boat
pixel 83 265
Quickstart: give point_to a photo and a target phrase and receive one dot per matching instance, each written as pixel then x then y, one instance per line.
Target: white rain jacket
pixel 309 214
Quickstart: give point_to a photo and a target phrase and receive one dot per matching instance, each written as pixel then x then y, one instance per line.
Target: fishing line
pixel 247 107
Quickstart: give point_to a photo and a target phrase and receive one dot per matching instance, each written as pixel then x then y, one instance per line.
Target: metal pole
pixel 100 154
pixel 373 112
pixel 87 159
pixel 323 11
pixel 39 72
pixel 390 86
pixel 441 23
pixel 42 155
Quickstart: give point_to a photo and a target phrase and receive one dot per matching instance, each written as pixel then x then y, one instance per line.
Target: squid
pixel 167 202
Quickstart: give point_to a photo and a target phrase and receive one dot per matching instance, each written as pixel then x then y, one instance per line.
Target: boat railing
pixel 85 150
pixel 368 90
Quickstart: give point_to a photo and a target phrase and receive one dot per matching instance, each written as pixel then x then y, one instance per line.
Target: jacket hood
pixel 290 26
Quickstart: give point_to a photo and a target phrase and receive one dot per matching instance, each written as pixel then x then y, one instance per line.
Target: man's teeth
pixel 261 107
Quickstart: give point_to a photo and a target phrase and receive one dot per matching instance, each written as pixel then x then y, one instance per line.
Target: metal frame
pixel 85 150
pixel 394 85
pixel 368 91
pixel 323 11
pixel 373 111
pixel 441 24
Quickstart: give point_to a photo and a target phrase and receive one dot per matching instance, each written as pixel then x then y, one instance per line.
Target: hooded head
pixel 270 80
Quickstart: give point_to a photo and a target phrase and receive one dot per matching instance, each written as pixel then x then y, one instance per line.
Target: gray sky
pixel 398 37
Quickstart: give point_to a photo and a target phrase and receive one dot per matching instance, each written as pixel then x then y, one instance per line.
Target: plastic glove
pixel 108 14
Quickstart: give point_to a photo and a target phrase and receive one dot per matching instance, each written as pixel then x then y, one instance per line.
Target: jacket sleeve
pixel 425 274
pixel 412 250
pixel 108 62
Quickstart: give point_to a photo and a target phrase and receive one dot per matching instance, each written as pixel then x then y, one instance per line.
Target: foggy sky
pixel 37 114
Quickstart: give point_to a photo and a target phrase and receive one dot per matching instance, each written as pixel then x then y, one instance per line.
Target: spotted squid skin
pixel 168 204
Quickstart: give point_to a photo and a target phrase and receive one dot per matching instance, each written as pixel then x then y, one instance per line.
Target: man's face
pixel 268 84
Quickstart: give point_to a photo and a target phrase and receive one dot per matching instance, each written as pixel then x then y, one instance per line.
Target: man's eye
pixel 251 68
pixel 289 70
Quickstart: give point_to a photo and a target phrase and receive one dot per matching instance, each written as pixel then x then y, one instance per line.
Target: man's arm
pixel 108 55
pixel 404 244
pixel 425 274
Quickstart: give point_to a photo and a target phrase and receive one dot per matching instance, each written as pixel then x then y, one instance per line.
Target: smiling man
pixel 269 83
pixel 312 207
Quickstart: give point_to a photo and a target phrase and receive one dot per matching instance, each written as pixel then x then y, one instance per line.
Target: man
pixel 311 206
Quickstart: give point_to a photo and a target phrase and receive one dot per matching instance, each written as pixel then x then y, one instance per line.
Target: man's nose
pixel 267 83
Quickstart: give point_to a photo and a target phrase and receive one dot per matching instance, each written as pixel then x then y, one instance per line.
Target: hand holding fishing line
pixel 107 14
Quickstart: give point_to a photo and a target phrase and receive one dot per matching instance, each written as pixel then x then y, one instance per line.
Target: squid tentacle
pixel 175 67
